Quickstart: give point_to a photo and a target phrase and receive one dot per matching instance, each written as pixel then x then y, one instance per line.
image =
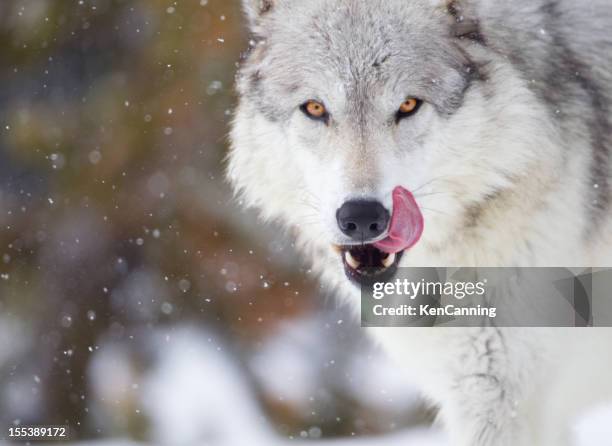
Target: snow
pixel 595 428
pixel 197 395
pixel 420 437
pixel 293 361
pixel 14 339
pixel 84 206
pixel 591 432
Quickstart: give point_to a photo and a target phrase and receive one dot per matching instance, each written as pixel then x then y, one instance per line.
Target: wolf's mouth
pixel 376 262
pixel 365 264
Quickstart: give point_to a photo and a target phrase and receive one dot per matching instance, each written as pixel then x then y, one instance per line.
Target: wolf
pixel 386 133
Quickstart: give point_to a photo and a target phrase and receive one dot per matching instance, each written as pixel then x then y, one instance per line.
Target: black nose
pixel 362 220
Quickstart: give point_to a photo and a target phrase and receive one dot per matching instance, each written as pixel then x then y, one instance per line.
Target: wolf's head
pixel 361 119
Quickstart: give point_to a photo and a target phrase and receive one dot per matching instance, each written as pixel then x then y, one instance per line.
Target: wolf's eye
pixel 409 107
pixel 314 110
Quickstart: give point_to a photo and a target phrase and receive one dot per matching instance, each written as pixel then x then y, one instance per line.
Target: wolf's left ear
pixel 255 10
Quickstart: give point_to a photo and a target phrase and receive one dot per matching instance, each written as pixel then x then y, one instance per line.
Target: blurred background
pixel 136 299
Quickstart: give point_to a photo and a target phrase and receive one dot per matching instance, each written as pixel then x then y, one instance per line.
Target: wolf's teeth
pixel 353 263
pixel 389 260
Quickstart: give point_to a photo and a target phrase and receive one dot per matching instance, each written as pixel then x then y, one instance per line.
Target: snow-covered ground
pixel 595 428
pixel 411 438
pixel 197 396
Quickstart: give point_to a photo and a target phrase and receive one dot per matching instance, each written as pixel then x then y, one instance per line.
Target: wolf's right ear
pixel 255 10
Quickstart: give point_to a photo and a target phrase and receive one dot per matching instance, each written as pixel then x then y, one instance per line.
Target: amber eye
pixel 314 110
pixel 409 107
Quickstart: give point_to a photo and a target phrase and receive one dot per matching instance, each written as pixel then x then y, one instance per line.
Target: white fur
pixel 495 387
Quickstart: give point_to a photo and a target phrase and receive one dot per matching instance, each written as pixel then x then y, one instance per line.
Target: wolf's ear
pixel 255 10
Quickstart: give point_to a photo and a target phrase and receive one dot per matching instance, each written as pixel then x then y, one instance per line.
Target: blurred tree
pixel 114 216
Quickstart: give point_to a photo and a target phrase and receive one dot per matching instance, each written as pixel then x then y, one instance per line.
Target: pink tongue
pixel 406 223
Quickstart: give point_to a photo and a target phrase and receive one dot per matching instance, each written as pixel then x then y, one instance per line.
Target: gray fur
pixel 509 159
pixel 399 45
pixel 563 48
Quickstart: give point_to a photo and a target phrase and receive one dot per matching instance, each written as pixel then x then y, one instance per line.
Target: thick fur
pixel 509 159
